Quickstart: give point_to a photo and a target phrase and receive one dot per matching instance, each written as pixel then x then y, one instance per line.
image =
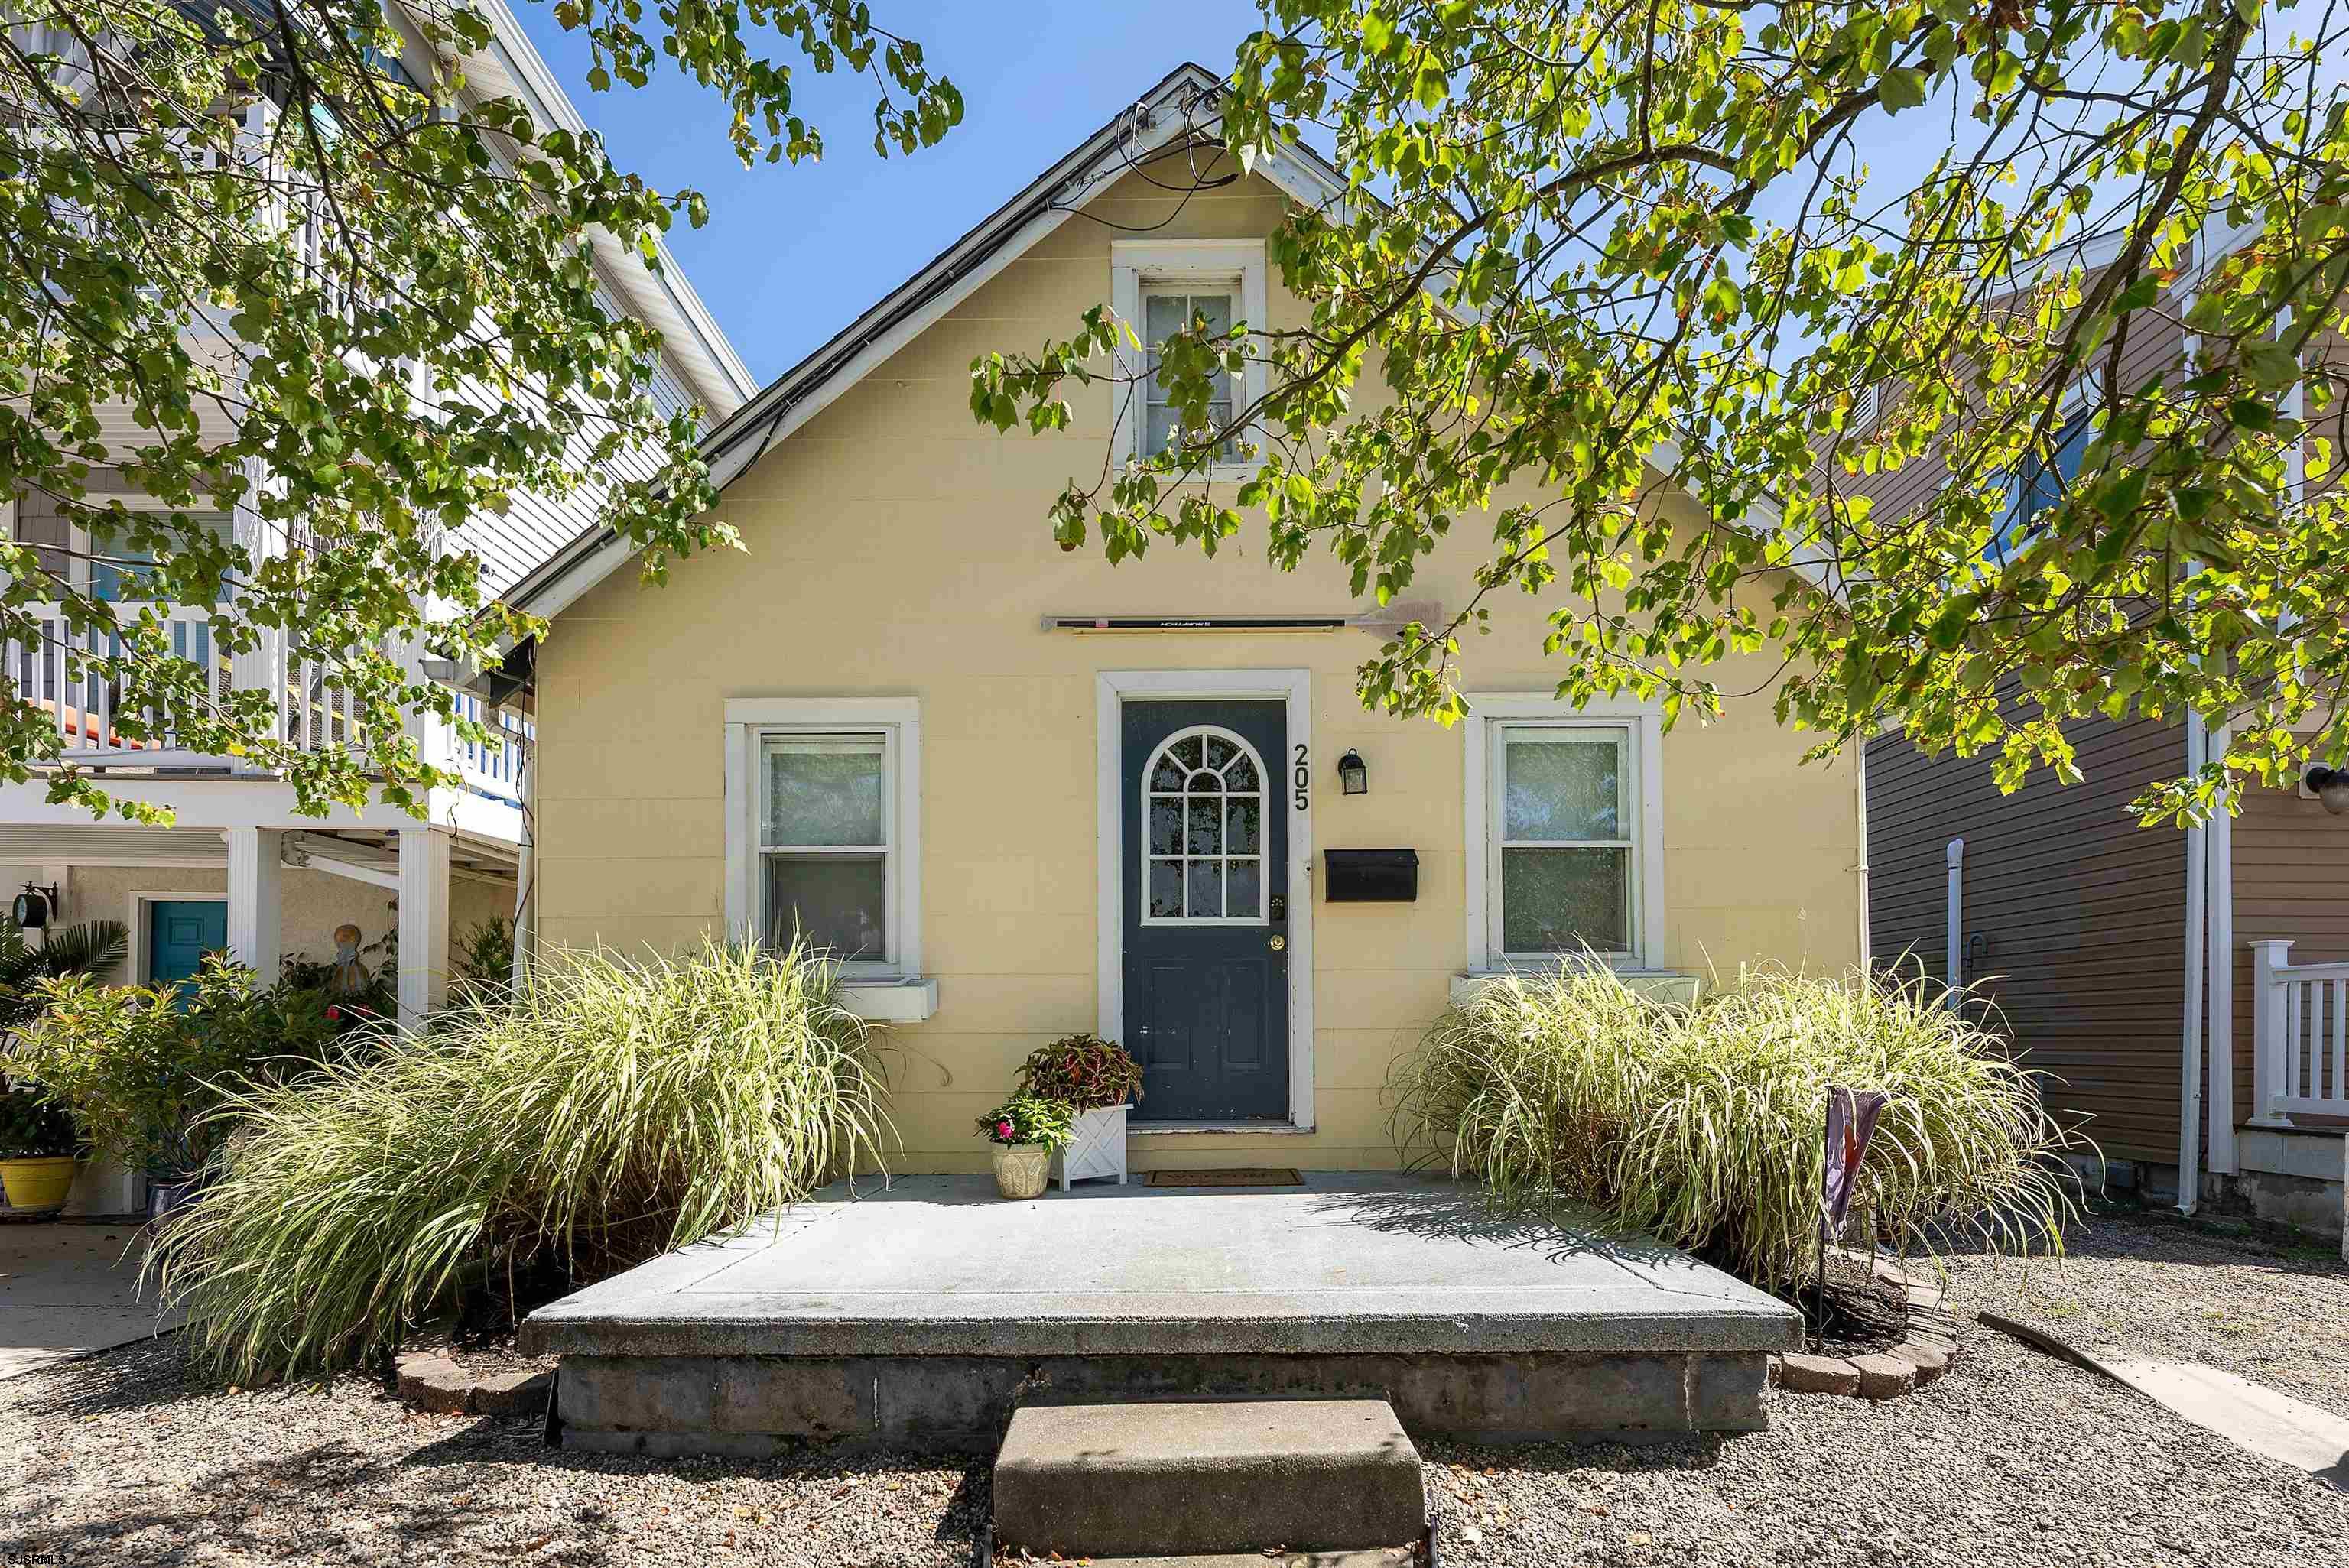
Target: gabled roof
pixel 1179 109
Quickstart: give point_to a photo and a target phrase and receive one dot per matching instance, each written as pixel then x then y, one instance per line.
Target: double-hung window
pixel 1563 854
pixel 824 798
pixel 824 843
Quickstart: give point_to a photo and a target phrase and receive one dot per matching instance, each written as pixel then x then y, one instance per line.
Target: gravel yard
pixel 2012 1459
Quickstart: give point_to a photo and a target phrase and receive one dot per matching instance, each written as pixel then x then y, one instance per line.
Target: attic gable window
pixel 1166 312
pixel 1163 287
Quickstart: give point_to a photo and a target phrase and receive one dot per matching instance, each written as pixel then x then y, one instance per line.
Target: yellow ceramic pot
pixel 38 1183
pixel 1020 1169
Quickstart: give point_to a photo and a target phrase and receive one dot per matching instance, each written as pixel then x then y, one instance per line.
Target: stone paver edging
pixel 430 1380
pixel 1929 1351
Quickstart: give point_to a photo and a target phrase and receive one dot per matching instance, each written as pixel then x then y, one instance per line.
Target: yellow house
pixel 1024 793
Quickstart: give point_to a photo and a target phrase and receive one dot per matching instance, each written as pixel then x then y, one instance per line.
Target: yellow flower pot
pixel 1020 1169
pixel 38 1183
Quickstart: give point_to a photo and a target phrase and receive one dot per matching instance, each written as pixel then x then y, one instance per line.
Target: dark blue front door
pixel 1207 915
pixel 179 932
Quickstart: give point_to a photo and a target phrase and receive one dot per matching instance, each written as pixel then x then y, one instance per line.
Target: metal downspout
pixel 2189 1090
pixel 1952 971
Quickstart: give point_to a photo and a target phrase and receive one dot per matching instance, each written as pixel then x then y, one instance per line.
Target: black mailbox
pixel 1371 876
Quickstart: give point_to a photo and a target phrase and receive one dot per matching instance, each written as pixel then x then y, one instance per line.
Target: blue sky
pixel 793 253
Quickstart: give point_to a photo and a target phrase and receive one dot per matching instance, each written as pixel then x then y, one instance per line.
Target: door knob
pixel 1277 943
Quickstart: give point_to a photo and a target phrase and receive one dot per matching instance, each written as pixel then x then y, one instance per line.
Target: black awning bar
pixel 1196 623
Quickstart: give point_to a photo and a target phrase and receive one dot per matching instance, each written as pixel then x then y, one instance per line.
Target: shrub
pixel 145 1068
pixel 610 1110
pixel 32 1128
pixel 485 955
pixel 1703 1125
pixel 91 948
pixel 1030 1118
pixel 1089 1072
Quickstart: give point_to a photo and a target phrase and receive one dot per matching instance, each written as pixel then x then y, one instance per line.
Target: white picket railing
pixel 493 767
pixel 87 707
pixel 315 712
pixel 2300 1029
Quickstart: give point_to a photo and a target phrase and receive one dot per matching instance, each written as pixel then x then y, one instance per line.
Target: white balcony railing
pixel 493 767
pixel 314 713
pixel 2300 1032
pixel 87 707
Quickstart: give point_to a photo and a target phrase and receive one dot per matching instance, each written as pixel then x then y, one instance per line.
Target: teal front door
pixel 179 932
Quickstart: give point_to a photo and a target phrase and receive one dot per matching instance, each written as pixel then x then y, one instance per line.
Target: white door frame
pixel 1113 689
pixel 139 899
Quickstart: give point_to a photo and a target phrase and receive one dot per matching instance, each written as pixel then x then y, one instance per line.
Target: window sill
pixel 1662 985
pixel 885 1001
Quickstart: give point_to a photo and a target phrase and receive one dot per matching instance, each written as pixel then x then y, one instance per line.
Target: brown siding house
pixel 2072 930
pixel 2078 936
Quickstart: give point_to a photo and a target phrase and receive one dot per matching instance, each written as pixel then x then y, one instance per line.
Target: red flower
pixel 334 1015
pixel 1003 1130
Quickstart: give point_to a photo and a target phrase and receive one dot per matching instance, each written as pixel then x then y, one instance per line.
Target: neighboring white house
pixel 241 870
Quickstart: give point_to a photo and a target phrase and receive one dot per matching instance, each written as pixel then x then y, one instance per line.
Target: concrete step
pixel 1144 1480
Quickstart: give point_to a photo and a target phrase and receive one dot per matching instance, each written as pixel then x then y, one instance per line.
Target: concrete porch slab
pixel 70 1289
pixel 926 1311
pixel 1349 1264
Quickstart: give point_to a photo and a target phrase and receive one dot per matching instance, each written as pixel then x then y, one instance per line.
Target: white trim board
pixel 1645 720
pixel 1112 688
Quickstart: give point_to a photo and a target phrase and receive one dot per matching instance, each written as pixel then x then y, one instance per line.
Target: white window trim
pixel 1137 267
pixel 750 721
pixel 1645 721
pixel 1263 795
pixel 1111 689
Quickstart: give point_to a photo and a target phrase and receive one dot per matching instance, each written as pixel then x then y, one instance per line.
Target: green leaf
pixel 1900 88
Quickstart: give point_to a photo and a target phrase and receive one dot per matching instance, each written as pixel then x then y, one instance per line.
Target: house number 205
pixel 1304 776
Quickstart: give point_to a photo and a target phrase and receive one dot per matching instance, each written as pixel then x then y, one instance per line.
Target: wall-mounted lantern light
pixel 1353 774
pixel 34 906
pixel 2329 785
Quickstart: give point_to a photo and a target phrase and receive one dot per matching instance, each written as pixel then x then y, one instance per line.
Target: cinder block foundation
pixel 751 1406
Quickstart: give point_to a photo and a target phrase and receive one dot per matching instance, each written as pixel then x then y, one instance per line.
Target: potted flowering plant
pixel 1026 1130
pixel 38 1151
pixel 1102 1079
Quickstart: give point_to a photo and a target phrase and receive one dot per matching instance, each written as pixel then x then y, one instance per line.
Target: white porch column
pixel 2267 1028
pixel 261 667
pixel 255 904
pixel 423 922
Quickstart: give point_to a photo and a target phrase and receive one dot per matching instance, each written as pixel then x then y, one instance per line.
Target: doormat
pixel 1239 1176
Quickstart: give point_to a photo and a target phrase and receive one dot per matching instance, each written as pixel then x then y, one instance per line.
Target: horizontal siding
pixel 2074 912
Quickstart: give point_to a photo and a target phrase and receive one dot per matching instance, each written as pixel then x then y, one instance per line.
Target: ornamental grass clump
pixel 609 1111
pixel 1702 1125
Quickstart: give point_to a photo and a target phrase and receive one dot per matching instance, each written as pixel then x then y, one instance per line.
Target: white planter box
pixel 1099 1148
